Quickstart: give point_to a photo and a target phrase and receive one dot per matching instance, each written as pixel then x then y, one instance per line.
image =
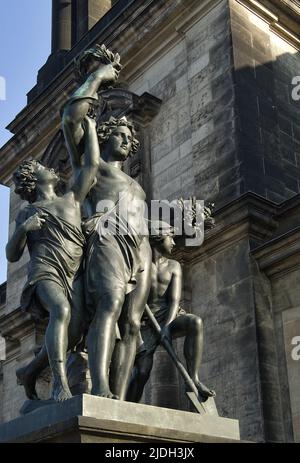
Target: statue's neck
pixel 110 159
pixel 158 257
pixel 46 193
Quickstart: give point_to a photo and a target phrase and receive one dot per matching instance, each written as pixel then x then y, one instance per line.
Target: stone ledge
pixel 282 16
pixel 87 418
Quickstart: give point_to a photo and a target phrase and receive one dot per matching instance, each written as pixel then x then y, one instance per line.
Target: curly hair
pixel 105 129
pixel 25 180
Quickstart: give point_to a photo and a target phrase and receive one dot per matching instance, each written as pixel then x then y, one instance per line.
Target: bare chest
pixel 114 185
pixel 161 279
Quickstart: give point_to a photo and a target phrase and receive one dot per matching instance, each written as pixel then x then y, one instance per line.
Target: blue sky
pixel 25 44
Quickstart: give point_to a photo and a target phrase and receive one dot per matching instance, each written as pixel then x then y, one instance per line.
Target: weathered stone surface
pixel 277 308
pixel 264 66
pixel 131 422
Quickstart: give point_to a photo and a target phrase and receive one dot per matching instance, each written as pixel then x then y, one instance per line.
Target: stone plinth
pixel 90 419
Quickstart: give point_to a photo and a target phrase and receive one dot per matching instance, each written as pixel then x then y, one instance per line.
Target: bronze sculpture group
pixel 94 277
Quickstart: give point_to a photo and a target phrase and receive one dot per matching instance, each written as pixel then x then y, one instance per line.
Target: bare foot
pixel 106 393
pixel 28 381
pixel 204 391
pixel 61 393
pixel 108 396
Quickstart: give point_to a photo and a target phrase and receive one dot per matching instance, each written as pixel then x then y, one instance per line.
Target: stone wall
pixel 16 271
pixel 193 137
pixel 228 123
pixel 286 291
pixel 268 127
pixel 221 293
pixel 277 300
pixel 286 318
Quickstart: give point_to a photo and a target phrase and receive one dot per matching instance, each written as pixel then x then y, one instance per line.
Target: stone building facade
pixel 209 84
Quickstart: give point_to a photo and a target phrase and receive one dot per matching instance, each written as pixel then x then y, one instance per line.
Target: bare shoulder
pixel 175 267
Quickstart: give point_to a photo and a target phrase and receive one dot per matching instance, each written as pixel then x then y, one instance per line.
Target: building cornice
pixel 280 255
pixel 270 229
pixel 13 327
pixel 15 324
pixel 283 17
pixel 250 217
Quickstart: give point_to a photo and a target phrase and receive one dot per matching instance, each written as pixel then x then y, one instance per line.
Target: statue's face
pixel 120 142
pixel 45 175
pixel 167 244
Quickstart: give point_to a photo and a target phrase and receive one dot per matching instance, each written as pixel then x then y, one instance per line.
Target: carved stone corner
pixel 119 102
pixel 256 212
pixel 14 327
pixel 148 107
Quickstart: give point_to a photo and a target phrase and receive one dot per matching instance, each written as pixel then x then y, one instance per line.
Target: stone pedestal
pixel 90 419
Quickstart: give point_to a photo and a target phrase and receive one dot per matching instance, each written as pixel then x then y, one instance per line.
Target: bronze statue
pixel 103 293
pixel 51 227
pixel 164 300
pixel 118 256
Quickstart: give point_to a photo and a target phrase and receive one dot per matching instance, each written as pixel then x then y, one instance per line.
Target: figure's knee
pixel 196 324
pixel 130 329
pixel 133 326
pixel 111 304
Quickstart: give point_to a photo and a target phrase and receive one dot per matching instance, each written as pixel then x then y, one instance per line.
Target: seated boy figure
pixel 164 299
pixel 51 227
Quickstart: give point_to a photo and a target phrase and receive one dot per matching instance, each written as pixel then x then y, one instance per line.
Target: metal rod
pixel 169 348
